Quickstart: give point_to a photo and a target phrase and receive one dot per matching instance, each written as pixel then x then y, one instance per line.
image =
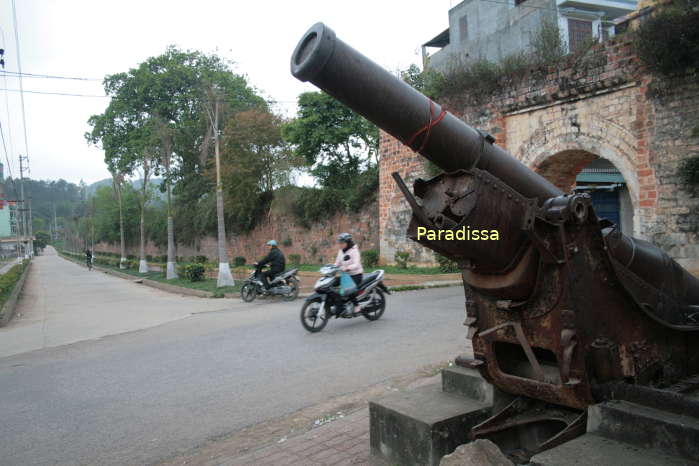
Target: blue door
pixel 606 204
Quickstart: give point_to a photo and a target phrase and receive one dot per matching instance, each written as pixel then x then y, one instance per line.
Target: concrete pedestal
pixel 420 426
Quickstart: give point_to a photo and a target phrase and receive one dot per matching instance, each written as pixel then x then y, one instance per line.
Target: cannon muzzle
pixel 397 108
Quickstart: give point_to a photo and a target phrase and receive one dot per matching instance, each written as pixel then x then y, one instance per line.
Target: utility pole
pixel 55 224
pixel 22 203
pixel 24 126
pixel 17 231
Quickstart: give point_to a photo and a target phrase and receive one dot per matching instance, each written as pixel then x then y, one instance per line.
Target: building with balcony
pixel 495 29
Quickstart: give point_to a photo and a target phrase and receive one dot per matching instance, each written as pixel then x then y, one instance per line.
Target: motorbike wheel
pixel 294 293
pixel 248 292
pixel 376 306
pixel 313 318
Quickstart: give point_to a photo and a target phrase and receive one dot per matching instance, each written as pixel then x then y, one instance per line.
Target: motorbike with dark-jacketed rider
pixel 285 284
pixel 328 300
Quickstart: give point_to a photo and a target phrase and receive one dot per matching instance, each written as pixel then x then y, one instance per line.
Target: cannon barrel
pixel 397 108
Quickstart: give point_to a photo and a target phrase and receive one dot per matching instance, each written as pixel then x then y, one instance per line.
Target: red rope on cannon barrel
pixel 427 129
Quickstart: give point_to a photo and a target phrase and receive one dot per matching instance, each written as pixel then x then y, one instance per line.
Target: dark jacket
pixel 275 259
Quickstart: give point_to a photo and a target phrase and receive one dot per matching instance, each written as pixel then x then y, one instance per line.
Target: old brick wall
pixel 601 104
pixel 394 211
pixel 314 245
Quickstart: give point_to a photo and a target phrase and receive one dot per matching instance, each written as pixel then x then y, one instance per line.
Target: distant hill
pixel 155 182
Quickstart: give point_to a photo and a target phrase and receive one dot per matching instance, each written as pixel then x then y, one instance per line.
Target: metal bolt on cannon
pixel 563 307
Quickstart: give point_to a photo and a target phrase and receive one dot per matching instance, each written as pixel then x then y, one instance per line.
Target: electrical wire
pixel 522 5
pixel 55 93
pixel 15 74
pixel 7 158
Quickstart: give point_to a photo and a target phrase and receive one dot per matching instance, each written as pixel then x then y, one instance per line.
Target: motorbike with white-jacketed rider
pixel 329 301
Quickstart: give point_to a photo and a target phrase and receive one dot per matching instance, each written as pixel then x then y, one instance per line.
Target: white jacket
pixel 350 261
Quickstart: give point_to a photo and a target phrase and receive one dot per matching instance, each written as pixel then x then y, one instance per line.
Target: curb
pixel 206 294
pixel 8 309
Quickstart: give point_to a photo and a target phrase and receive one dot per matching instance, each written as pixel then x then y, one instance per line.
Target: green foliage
pixel 287 241
pixel 333 139
pixel 199 259
pixel 294 259
pixel 310 205
pixel 370 258
pixel 689 171
pixel 239 261
pixel 480 78
pixel 668 41
pixel 106 215
pixel 401 258
pixel 42 239
pixel 192 272
pixel 255 162
pixel 446 265
pixel 547 45
pixel 9 279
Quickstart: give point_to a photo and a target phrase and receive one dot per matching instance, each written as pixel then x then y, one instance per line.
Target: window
pixel 579 32
pixel 463 28
pixel 519 2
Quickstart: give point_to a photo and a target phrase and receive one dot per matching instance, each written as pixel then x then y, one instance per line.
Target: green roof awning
pixel 600 178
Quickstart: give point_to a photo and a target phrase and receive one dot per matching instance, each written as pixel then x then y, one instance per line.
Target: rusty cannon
pixel 563 310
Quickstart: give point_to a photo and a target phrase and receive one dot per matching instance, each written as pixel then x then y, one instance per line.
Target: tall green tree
pixel 337 142
pixel 256 161
pixel 113 134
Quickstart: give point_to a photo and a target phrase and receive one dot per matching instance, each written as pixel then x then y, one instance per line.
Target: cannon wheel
pixel 377 305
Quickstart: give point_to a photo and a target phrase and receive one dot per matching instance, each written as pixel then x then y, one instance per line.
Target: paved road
pixel 137 397
pixel 63 302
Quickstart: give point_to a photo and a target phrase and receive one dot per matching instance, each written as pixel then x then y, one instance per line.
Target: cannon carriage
pixel 563 310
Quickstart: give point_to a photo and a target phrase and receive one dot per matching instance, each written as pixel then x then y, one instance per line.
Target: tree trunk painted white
pixel 122 250
pixel 171 272
pixel 171 268
pixel 225 278
pixel 142 264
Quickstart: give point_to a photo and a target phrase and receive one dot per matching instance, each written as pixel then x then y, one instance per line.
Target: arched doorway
pixel 613 194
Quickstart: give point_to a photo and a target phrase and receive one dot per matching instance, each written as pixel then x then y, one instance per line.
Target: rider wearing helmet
pixel 276 262
pixel 349 260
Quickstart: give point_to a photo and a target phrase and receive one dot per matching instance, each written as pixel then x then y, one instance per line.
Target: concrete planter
pixel 8 309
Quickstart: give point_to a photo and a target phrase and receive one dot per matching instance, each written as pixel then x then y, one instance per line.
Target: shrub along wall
pixel 315 244
pixel 11 283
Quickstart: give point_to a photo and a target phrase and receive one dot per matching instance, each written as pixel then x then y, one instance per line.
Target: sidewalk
pixel 335 432
pixel 63 303
pixel 343 441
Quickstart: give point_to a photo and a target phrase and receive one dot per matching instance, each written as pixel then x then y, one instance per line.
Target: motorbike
pixel 286 285
pixel 327 301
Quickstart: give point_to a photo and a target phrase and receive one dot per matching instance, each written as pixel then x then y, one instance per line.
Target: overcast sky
pixel 92 38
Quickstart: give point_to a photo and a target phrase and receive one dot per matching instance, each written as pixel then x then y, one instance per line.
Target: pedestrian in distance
pixel 88 258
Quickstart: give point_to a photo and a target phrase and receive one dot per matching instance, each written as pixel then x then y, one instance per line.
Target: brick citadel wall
pixel 602 104
pixel 314 245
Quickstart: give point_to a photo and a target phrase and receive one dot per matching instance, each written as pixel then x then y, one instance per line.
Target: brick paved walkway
pixel 344 441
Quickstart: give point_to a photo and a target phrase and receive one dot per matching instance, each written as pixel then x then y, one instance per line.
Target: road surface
pixel 175 381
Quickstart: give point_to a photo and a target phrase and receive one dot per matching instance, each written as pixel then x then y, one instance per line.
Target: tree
pixel 255 162
pixel 41 241
pixel 114 134
pixel 335 140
